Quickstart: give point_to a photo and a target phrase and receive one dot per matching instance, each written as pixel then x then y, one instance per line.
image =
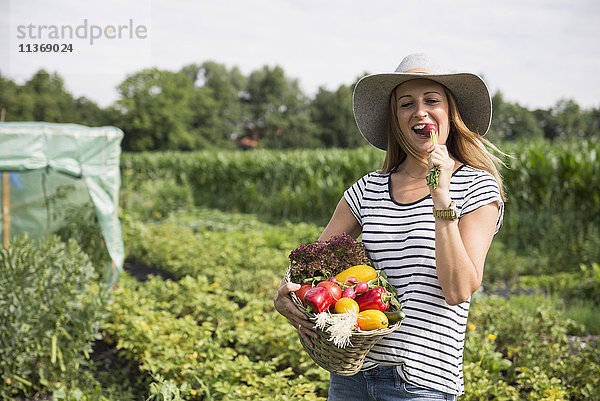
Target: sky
pixel 536 52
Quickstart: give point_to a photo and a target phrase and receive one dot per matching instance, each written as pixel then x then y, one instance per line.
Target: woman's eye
pixel 405 104
pixel 432 101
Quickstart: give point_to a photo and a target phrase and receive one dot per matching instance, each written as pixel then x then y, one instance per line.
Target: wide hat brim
pixel 371 101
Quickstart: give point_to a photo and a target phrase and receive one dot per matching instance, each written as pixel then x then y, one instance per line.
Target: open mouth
pixel 422 130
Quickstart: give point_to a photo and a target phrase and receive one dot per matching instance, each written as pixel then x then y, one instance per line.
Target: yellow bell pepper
pixel 372 319
pixel 360 272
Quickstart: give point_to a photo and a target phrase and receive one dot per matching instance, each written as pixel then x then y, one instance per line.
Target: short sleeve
pixel 354 197
pixel 483 190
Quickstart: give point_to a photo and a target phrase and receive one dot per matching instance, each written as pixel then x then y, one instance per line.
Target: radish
pixel 434 175
pixel 361 287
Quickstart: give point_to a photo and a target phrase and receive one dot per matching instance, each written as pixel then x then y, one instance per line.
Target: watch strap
pixel 446 214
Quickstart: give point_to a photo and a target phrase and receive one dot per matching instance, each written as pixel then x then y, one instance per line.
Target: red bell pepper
pixel 376 298
pixel 318 299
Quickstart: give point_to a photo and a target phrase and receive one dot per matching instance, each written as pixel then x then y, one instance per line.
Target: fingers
pixel 438 153
pixel 286 307
pixel 438 156
pixel 305 338
pixel 307 335
pixel 302 322
pixel 285 289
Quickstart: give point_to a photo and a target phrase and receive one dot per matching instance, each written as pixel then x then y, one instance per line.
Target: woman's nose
pixel 421 110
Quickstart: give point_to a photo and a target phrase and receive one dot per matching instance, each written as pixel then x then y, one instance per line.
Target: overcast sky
pixel 534 51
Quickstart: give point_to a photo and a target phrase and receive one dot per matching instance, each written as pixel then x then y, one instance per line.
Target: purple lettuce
pixel 326 258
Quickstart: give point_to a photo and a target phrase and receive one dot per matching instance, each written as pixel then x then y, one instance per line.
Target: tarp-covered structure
pixel 49 170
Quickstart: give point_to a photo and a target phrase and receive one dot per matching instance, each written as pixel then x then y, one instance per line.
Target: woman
pixel 431 241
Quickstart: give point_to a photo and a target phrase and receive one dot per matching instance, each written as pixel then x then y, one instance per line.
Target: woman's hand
pixel 286 307
pixel 438 156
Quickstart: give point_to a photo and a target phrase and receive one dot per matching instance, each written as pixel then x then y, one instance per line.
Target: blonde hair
pixel 463 144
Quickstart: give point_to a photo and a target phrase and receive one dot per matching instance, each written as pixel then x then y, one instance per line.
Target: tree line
pixel 208 105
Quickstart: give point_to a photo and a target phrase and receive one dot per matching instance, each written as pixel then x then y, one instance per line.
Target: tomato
pixel 345 305
pixel 333 288
pixel 372 319
pixel 302 291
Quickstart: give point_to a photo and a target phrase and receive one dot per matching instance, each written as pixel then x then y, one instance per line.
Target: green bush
pixel 577 286
pixel 80 223
pixel 518 349
pixel 213 334
pixel 226 344
pixel 51 311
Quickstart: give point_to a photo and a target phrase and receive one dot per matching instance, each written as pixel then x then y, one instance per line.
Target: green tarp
pixel 51 169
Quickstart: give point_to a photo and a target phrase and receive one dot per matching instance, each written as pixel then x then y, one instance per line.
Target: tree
pixel 217 110
pixel 16 101
pixel 511 121
pixel 278 110
pixel 332 115
pixel 89 113
pixel 52 103
pixel 547 123
pixel 156 110
pixel 570 119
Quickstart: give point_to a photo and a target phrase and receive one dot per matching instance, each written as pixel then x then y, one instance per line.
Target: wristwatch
pixel 448 214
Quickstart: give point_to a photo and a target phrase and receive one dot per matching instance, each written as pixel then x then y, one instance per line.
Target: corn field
pixel 307 184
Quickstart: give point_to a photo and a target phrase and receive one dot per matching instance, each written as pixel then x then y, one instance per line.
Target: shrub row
pixel 215 328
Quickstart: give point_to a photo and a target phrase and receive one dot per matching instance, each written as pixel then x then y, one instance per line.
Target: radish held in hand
pixel 434 174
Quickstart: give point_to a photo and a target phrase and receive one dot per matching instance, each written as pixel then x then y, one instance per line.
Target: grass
pixel 585 313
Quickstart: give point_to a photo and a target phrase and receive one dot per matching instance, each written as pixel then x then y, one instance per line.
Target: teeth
pixel 420 126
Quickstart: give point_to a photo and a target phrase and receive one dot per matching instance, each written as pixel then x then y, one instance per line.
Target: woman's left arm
pixel 460 245
pixel 460 251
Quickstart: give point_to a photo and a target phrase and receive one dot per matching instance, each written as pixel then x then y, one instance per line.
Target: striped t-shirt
pixel 400 239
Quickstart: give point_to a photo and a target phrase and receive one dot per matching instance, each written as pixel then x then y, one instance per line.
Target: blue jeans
pixel 382 383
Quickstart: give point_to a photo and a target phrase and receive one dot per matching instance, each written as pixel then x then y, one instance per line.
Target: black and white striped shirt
pixel 400 239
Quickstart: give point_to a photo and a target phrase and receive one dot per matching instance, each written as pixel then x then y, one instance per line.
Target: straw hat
pixel 371 99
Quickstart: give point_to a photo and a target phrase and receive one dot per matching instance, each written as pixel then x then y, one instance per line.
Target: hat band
pixel 419 71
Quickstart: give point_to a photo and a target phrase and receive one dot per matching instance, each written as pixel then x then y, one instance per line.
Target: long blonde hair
pixel 463 144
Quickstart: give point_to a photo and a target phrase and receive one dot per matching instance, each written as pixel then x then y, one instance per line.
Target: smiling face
pixel 420 102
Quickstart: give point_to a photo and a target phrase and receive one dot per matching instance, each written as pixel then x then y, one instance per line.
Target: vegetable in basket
pixel 326 258
pixel 302 291
pixel 345 305
pixel 376 298
pixel 394 315
pixel 318 299
pixel 333 288
pixel 359 272
pixel 372 319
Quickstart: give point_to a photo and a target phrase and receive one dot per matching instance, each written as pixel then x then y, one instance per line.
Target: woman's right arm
pixel 342 221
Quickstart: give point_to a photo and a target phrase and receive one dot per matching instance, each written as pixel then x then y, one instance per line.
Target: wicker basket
pixel 341 361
